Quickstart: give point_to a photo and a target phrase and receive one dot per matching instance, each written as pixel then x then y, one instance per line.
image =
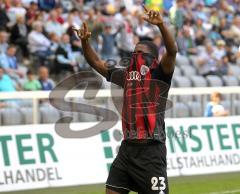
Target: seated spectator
pixel 125 40
pixel 78 4
pixel 186 44
pixel 178 14
pixel 220 50
pixel 46 83
pixel 224 27
pixel 3 42
pixel 53 24
pixel 214 108
pixel 77 16
pixel 31 84
pixel 6 83
pixel 16 10
pixel 224 68
pixel 65 59
pixel 95 26
pixel 232 52
pixel 235 5
pixel 207 63
pixel 55 40
pixel 236 27
pixel 234 31
pixel 75 42
pixel 214 35
pixel 9 63
pixel 4 20
pixel 142 29
pixel 59 11
pixel 199 31
pixel 19 34
pixel 159 43
pixel 32 13
pixel 214 18
pixel 39 44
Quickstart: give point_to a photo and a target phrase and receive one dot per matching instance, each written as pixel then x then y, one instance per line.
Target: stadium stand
pixel 27 113
pixel 230 80
pixel 49 115
pixel 209 54
pixel 195 108
pixel 11 116
pixel 214 80
pixel 198 81
pixel 180 110
pixel 188 70
pixel 177 71
pixel 181 81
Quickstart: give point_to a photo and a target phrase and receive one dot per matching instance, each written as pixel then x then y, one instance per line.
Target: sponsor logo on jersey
pixel 134 75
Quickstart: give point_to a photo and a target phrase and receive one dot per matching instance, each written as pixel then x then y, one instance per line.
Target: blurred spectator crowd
pixel 38 47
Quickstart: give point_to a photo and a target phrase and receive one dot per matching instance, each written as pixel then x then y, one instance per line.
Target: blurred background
pixel 38 49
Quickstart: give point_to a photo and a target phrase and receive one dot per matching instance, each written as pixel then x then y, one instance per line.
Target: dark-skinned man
pixel 140 165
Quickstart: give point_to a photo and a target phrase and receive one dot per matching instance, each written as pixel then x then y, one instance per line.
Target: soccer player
pixel 140 165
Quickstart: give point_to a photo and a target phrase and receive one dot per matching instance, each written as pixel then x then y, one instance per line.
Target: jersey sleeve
pixel 117 76
pixel 160 75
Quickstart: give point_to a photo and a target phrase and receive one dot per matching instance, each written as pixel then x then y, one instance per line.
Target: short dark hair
pixel 122 9
pixel 11 46
pixel 151 46
pixel 29 72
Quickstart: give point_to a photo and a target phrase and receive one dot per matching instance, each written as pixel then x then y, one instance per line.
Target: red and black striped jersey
pixel 145 98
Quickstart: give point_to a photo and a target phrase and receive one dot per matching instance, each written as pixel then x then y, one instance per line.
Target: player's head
pixel 148 47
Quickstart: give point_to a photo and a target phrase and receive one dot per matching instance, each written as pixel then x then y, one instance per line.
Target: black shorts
pixel 139 167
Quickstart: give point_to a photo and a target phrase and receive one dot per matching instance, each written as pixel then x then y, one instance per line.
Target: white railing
pixel 37 95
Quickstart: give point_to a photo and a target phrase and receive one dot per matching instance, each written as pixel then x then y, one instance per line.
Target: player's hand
pixel 83 32
pixel 153 17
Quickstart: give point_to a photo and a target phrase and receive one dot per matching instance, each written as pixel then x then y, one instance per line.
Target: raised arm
pixel 168 59
pixel 90 55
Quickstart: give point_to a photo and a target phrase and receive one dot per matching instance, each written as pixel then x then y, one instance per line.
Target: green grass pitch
pixel 205 184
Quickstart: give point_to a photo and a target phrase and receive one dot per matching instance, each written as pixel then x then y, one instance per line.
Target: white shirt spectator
pixel 217 108
pixel 55 27
pixel 17 11
pixel 143 31
pixel 207 61
pixel 38 42
pixel 126 37
pixel 219 53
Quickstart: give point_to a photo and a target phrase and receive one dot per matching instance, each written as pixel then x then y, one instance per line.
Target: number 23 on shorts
pixel 158 184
